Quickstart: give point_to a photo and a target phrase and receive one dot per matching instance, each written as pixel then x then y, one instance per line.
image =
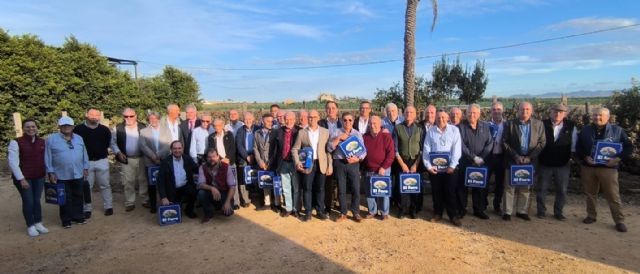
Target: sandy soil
pixel 260 241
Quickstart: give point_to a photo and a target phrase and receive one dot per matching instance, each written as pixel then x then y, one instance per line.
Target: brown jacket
pixel 325 161
pixel 511 140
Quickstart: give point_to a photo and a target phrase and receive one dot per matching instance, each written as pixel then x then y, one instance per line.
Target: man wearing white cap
pixel 67 163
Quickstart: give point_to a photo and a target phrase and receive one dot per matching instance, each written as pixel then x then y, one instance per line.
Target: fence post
pixel 17 123
pixel 64 114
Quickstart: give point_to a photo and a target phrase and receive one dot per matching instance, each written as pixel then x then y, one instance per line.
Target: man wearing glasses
pixel 67 163
pixel 347 169
pixel 128 152
pixel 199 139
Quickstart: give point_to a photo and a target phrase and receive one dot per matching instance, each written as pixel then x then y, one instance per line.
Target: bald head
pixel 290 119
pixel 410 114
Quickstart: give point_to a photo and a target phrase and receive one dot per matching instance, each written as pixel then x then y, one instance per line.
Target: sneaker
pixel 108 212
pixel 32 231
pixel 79 221
pixel 41 229
pixel 589 220
pixel 66 225
pixel 621 227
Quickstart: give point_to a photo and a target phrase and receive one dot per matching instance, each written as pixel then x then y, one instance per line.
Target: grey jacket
pixel 261 147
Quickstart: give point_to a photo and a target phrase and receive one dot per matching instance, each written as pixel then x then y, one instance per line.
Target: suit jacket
pixel 186 133
pixel 166 178
pixel 261 147
pixel 165 133
pixel 511 140
pixel 356 125
pixel 323 123
pixel 229 143
pixel 325 161
pixel 276 146
pixel 241 150
pixel 148 148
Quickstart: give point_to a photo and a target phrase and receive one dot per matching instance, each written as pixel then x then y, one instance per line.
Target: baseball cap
pixel 66 120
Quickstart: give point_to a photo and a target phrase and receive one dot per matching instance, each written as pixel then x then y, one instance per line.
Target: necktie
pixel 190 125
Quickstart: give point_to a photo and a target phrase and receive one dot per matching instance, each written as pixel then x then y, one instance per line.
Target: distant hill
pixel 579 94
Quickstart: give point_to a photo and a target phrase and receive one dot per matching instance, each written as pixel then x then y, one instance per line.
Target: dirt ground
pixel 262 242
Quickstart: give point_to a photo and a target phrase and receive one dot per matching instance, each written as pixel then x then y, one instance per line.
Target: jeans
pixel 209 205
pixel 560 177
pixel 31 209
pixel 374 202
pixel 313 186
pixel 290 187
pixel 350 173
pixel 99 172
pixel 74 199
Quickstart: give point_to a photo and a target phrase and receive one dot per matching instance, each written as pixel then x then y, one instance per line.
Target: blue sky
pixel 204 37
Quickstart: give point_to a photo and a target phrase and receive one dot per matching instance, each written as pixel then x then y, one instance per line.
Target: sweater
pixel 380 151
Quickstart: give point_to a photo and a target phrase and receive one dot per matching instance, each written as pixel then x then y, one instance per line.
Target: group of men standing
pixel 204 159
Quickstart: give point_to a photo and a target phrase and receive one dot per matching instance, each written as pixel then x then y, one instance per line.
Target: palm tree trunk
pixel 410 52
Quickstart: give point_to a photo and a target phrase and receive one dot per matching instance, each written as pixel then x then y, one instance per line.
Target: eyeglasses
pixel 347 120
pixel 205 121
pixel 69 144
pixel 129 116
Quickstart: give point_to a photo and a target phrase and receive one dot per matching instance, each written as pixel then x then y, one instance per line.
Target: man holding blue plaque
pixel 561 135
pixel 443 138
pixel 476 148
pixel 245 157
pixel 380 156
pixel 261 154
pixel 524 139
pixel 347 167
pixel 313 177
pixel 601 139
pixel 408 147
pixel 282 163
pixel 496 164
pixel 175 181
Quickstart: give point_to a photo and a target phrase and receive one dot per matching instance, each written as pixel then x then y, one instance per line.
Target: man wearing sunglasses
pixel 199 139
pixel 67 163
pixel 347 169
pixel 128 152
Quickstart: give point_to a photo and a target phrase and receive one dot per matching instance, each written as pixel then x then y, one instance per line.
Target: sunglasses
pixel 347 120
pixel 69 144
pixel 205 121
pixel 129 116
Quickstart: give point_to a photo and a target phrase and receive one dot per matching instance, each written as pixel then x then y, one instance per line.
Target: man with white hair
pixel 225 144
pixel 595 176
pixel 244 150
pixel 523 142
pixel 496 163
pixel 476 148
pixel 456 116
pixel 392 118
pixel 282 163
pixel 234 122
pixel 303 119
pixel 170 125
pixel 199 137
pixel 187 126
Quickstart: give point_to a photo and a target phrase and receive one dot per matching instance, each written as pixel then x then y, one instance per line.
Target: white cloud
pixel 358 8
pixel 593 23
pixel 297 30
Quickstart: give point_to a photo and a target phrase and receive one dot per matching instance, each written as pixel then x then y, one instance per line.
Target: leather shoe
pixel 153 210
pixel 523 216
pixel 357 218
pixel 191 214
pixel 412 215
pixel 129 208
pixel 369 216
pixel 295 214
pixel 384 217
pixel 146 205
pixel 506 217
pixel 108 212
pixel 341 218
pixel 589 220
pixel 205 219
pixel 621 227
pixel 322 216
pixel 456 221
pixel 560 217
pixel 436 218
pixel 284 214
pixel 481 215
pixel 87 214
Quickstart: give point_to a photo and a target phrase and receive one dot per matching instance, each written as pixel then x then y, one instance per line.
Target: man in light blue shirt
pixel 67 163
pixel 443 138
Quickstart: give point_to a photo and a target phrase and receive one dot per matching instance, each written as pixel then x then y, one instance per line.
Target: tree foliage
pixel 40 81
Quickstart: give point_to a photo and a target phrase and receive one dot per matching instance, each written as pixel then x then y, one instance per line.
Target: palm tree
pixel 410 47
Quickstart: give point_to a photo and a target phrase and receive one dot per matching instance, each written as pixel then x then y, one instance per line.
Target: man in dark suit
pixel 225 144
pixel 523 141
pixel 282 163
pixel 332 123
pixel 175 181
pixel 362 123
pixel 188 125
pixel 244 152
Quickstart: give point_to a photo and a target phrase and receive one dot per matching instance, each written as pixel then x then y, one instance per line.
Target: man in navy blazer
pixel 175 180
pixel 188 125
pixel 244 155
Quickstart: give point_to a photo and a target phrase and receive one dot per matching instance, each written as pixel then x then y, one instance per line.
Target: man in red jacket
pixel 380 156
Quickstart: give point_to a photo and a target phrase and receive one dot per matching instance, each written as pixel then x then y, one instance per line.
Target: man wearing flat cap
pixel 561 135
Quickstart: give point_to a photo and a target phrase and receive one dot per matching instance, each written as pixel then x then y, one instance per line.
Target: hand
pixel 413 168
pixel 299 167
pixel 404 167
pixel 519 160
pixel 381 171
pixel 613 162
pixel 165 201
pixel 226 161
pixel 353 160
pixel 227 209
pixel 249 160
pixel 450 170
pixel 85 174
pixel 385 130
pixel 589 160
pixel 263 166
pixel 433 170
pixel 344 136
pixel 24 184
pixel 52 178
pixel 526 160
pixel 215 193
pixel 329 172
pixel 478 161
pixel 122 157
